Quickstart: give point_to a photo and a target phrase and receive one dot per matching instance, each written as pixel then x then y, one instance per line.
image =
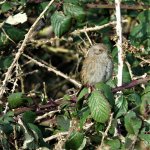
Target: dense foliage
pixel 42 105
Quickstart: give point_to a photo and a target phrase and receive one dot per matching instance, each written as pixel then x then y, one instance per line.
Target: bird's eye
pixel 98 51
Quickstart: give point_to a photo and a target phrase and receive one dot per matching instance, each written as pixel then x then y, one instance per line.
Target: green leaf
pixel 72 1
pixel 6 6
pixel 17 99
pixel 6 128
pixel 5 62
pixel 8 117
pixel 126 74
pixel 99 107
pixel 75 141
pixel 74 11
pixel 145 105
pixel 82 93
pixel 4 143
pixel 139 35
pixel 113 143
pixel 13 31
pixel 3 40
pixel 104 88
pixel 84 114
pixel 145 136
pixel 81 97
pixel 132 123
pixel 121 106
pixel 134 97
pixel 60 23
pixel 33 137
pixel 144 16
pixel 63 123
pixel 29 116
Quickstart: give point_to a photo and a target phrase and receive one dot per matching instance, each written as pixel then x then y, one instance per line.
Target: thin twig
pixel 49 114
pixel 20 51
pixel 144 60
pixel 52 69
pixel 123 6
pixel 56 136
pixel 129 69
pixel 15 138
pixel 132 146
pixel 96 27
pixel 106 132
pixel 88 38
pixel 130 85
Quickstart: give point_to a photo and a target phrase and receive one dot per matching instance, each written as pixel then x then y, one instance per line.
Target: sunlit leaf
pixel 99 107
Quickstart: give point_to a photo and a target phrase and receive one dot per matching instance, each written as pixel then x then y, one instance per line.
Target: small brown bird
pixel 97 66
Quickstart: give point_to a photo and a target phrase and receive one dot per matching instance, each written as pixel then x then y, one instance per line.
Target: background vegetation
pixel 42 46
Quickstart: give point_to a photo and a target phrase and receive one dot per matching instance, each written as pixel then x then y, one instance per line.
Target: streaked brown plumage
pixel 97 66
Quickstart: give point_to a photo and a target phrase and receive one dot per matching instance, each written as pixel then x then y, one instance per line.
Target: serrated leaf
pixel 104 88
pixel 132 123
pixel 121 106
pixel 74 11
pixel 74 141
pixel 99 106
pixel 60 23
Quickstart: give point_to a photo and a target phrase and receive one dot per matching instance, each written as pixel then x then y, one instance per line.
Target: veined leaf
pixel 60 23
pixel 74 11
pixel 99 106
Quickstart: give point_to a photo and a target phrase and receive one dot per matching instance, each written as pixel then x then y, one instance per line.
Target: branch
pixel 96 27
pixel 52 69
pixel 122 6
pixel 106 132
pixel 56 136
pixel 119 43
pixel 130 85
pixel 20 51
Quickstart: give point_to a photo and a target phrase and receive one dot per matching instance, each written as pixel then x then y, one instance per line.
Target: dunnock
pixel 97 66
